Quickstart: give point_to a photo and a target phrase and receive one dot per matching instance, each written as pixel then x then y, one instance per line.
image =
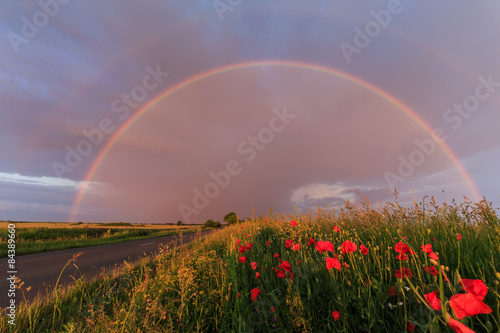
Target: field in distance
pixel 35 237
pixel 117 225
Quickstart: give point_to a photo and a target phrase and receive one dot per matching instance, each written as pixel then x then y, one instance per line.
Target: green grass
pixel 35 240
pixel 203 287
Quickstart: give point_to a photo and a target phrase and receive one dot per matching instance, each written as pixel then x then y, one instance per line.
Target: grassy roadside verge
pixel 272 274
pixel 45 239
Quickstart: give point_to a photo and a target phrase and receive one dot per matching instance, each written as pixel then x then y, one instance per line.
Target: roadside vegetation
pixel 425 268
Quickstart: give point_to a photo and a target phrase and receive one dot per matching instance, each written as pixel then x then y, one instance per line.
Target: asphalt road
pixel 41 270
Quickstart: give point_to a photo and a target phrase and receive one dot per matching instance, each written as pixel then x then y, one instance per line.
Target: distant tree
pixel 212 224
pixel 180 223
pixel 231 218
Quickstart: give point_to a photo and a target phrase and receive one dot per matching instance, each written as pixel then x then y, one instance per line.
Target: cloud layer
pixel 62 75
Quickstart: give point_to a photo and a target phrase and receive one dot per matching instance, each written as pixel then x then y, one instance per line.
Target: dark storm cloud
pixel 65 78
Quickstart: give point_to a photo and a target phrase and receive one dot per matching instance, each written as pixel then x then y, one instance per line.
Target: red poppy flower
pixel 237 241
pixel 459 237
pixel 433 300
pixel 249 246
pixel 296 247
pixel 346 265
pixel 427 248
pixel 273 309
pixel 332 263
pixel 405 272
pixel 255 292
pixel 433 255
pixel 401 247
pixel 268 243
pixel 276 255
pixel 242 249
pixel 289 243
pixel 281 274
pixel 293 223
pixel 239 295
pixel 257 275
pixel 392 291
pixel 336 229
pixel 243 259
pixel 299 262
pixel 335 315
pixel 476 287
pixel 324 246
pixel 253 264
pixel 432 270
pixel 402 256
pixel 348 247
pixel 286 266
pixel 363 249
pixel 458 326
pixel 410 327
pixel 468 304
pixel 311 242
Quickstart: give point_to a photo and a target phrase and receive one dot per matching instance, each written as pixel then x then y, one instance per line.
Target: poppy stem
pixel 441 294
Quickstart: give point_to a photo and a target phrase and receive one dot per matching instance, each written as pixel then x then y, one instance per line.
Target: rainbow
pixel 267 63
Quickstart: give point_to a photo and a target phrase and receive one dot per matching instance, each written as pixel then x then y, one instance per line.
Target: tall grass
pixel 204 287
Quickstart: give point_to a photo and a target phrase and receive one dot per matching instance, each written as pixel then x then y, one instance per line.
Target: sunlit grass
pixel 204 287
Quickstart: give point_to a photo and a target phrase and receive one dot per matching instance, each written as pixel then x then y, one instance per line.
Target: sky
pixel 164 111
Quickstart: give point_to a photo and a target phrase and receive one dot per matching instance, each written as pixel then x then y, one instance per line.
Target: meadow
pixel 35 237
pixel 358 268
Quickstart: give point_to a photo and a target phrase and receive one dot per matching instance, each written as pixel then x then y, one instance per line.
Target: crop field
pixel 35 237
pixel 81 225
pixel 359 268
